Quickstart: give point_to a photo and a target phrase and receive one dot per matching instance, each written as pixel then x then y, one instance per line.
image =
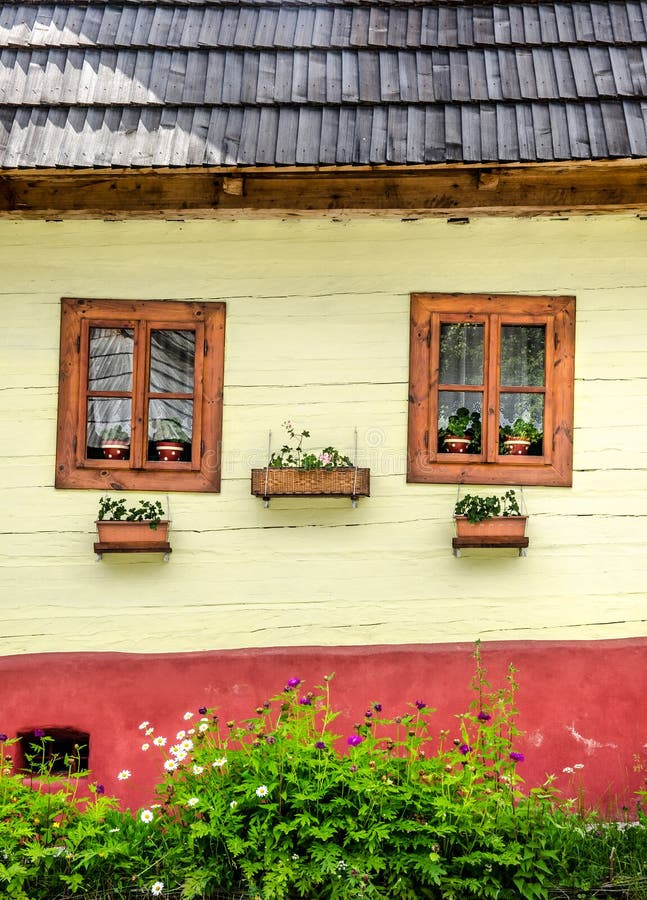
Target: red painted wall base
pixel 579 702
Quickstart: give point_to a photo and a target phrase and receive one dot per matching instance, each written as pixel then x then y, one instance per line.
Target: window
pixel 140 395
pixel 53 751
pixel 484 369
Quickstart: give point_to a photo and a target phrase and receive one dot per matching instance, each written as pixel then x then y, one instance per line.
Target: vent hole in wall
pixel 53 751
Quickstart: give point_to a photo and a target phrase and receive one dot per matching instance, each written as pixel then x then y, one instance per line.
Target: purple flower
pixel 464 749
pixel 39 733
pixel 517 757
pixel 377 707
pixel 484 717
pixel 368 714
pixel 203 710
pixel 100 789
pixel 270 739
pixel 292 683
pixel 320 745
pixel 354 740
pixel 420 704
pixel 305 701
pixel 3 737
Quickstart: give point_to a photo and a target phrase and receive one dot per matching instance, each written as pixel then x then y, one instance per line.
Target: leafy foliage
pixel 296 457
pixel 115 509
pixel 477 509
pixel 278 807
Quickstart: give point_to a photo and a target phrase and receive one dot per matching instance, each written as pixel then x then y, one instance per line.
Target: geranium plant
pixel 294 456
pixel 115 509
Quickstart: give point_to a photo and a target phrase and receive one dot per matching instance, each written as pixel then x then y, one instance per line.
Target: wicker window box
pixel 295 482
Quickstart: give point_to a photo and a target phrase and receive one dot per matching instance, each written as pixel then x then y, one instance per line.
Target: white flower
pixel 192 801
pixel 145 747
pixel 144 725
pixel 186 745
pixel 124 775
pixel 203 726
pixel 157 888
pixel 219 763
pixel 233 804
pixel 198 770
pixel 159 741
pixel 578 766
pixel 187 716
pixel 262 791
pixel 170 765
pixel 568 770
pixel 149 731
pixel 146 816
pixel 180 755
pixel 174 749
pixel 180 735
pixel 113 830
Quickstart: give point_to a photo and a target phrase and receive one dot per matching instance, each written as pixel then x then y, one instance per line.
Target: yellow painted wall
pixel 317 331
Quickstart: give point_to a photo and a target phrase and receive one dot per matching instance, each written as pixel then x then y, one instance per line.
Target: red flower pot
pixel 113 449
pixel 516 446
pixel 456 444
pixel 169 451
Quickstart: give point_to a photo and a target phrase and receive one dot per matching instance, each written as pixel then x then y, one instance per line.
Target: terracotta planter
pixel 132 532
pixel 498 526
pixel 169 451
pixel 516 446
pixel 113 449
pixel 294 482
pixel 456 444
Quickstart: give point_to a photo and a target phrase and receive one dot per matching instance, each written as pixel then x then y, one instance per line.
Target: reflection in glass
pixel 523 352
pixel 521 416
pixel 110 366
pixel 461 353
pixel 459 415
pixel 170 424
pixel 108 428
pixel 172 362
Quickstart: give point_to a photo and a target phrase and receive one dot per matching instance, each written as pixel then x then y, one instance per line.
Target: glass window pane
pixel 172 362
pixel 110 365
pixel 523 352
pixel 461 353
pixel 108 428
pixel 521 417
pixel 459 416
pixel 170 429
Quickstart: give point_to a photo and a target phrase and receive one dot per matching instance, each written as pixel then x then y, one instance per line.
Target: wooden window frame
pixel 202 472
pixel 424 463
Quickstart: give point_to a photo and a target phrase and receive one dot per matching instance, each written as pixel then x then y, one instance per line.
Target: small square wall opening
pixel 53 751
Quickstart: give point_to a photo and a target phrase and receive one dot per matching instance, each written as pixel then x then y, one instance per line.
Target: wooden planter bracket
pixel 350 482
pixel 164 547
pixel 465 543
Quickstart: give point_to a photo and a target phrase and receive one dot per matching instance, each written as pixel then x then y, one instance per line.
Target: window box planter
pixel 137 529
pixel 495 522
pixel 341 481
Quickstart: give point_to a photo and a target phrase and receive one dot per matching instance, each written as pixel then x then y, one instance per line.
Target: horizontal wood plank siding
pixel 317 331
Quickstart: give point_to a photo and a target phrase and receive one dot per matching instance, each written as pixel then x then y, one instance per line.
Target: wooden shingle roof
pixel 316 83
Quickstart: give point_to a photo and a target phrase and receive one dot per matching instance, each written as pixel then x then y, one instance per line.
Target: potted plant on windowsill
pixel 292 471
pixel 115 442
pixel 128 526
pixel 463 432
pixel 170 439
pixel 517 439
pixel 489 517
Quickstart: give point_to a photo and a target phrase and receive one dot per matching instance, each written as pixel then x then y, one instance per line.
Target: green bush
pixel 279 806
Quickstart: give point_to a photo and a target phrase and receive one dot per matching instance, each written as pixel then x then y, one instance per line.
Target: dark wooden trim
pixel 203 474
pixel 554 468
pixel 461 543
pixel 440 191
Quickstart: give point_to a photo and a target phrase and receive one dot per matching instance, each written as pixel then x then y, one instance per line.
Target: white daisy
pixel 187 716
pixel 192 801
pixel 159 741
pixel 203 726
pixel 145 747
pixel 124 775
pixel 180 735
pixel 157 888
pixel 233 804
pixel 186 745
pixel 219 763
pixel 262 790
pixel 146 816
pixel 144 725
pixel 170 765
pixel 198 770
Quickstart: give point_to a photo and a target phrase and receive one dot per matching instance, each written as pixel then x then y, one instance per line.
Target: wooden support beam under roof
pixel 440 191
